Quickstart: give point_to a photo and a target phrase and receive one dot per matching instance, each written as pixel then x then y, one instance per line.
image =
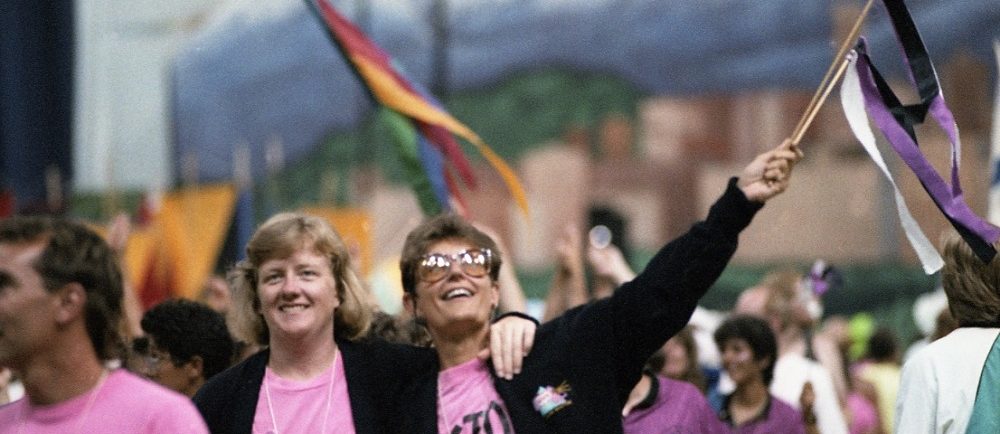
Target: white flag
pixel 994 209
pixel 853 101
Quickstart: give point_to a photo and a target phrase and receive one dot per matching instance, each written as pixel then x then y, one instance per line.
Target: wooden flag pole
pixel 823 92
pixel 833 74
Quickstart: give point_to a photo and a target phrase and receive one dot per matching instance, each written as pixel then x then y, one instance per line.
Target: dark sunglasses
pixel 473 262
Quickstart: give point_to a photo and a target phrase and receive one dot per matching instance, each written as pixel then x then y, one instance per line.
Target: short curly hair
pixel 757 334
pixel 440 228
pixel 185 329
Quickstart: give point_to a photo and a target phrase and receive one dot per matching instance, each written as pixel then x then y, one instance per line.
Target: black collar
pixel 728 418
pixel 654 390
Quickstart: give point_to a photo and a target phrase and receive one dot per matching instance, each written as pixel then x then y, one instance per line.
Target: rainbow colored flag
pixel 422 129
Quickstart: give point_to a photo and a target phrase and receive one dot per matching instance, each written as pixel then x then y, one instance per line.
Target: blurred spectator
pixel 610 267
pixel 926 309
pixel 780 300
pixel 881 370
pixel 861 408
pixel 216 294
pixel 138 354
pixel 860 412
pixel 117 234
pixel 669 396
pixel 703 324
pixel 512 297
pixel 835 329
pixel 936 388
pixel 749 349
pixel 188 344
pixel 678 360
pixel 569 287
pixel 662 405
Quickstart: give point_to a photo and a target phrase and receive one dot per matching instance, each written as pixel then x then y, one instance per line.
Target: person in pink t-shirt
pixel 298 295
pixel 61 292
pixel 457 305
pixel 583 363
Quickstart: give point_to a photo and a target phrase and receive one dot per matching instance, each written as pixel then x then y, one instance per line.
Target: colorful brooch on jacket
pixel 550 399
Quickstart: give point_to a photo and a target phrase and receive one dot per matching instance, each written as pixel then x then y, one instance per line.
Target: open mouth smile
pixel 291 308
pixel 455 293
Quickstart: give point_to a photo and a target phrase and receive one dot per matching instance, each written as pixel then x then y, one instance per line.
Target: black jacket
pixel 376 371
pixel 598 350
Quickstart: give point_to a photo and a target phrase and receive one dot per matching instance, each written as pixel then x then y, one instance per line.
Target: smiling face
pixel 676 358
pixel 457 303
pixel 298 296
pixel 740 362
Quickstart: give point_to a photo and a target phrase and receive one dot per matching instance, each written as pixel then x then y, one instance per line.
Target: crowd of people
pixel 293 342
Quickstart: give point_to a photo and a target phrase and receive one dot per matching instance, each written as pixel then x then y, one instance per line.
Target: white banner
pixel 853 102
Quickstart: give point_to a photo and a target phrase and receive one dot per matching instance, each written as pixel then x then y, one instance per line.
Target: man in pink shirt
pixel 60 309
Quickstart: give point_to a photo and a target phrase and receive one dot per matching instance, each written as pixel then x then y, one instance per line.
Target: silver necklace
pixel 329 398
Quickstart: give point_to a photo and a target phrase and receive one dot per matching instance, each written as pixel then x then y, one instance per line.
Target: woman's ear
pixel 764 362
pixel 495 295
pixel 410 303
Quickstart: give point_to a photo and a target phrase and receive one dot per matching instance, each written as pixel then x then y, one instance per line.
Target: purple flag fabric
pixel 896 121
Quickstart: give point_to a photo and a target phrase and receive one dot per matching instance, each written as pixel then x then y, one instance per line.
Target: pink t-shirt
pixel 303 406
pixel 863 414
pixel 123 403
pixel 468 402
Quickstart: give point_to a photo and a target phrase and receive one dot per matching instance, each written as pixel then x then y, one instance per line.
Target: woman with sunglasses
pixel 297 294
pixel 584 363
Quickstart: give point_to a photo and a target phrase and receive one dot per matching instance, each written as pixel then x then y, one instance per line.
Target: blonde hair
pixel 783 301
pixel 280 237
pixel 973 287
